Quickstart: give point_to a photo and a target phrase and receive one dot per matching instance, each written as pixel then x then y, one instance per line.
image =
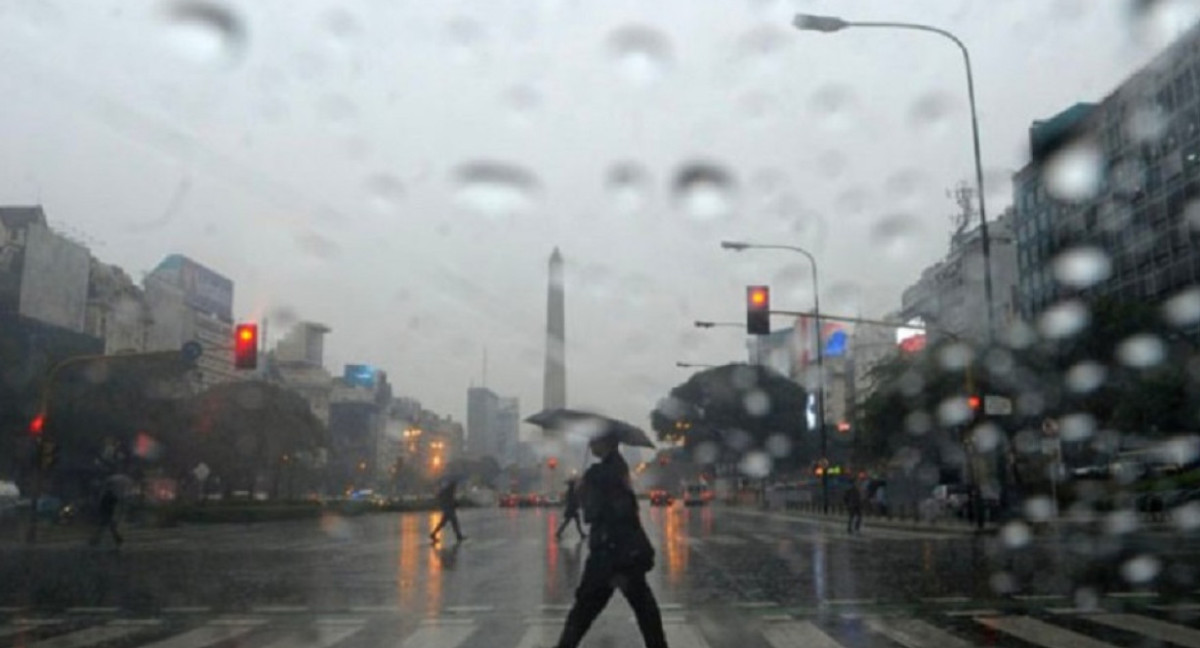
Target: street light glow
pixel 826 24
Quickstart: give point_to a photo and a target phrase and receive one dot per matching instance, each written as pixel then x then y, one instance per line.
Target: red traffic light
pixel 245 346
pixel 552 462
pixel 974 402
pixel 758 310
pixel 37 425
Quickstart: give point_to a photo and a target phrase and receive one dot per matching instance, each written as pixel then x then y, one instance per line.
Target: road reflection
pixel 408 537
pixel 433 579
pixel 675 543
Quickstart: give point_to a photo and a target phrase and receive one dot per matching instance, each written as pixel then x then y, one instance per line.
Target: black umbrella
pixel 590 425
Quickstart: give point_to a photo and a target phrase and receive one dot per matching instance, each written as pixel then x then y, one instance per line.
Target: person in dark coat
pixel 619 553
pixel 853 500
pixel 107 510
pixel 447 501
pixel 572 512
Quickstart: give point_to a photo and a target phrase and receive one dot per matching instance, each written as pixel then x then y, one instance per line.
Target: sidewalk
pixel 837 520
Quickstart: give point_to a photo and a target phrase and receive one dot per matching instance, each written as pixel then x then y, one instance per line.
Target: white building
pixel 117 310
pixel 191 302
pixel 298 363
pixel 43 275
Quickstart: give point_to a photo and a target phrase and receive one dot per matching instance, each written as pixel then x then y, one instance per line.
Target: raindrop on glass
pixel 931 110
pixel 341 25
pixel 629 186
pixel 704 191
pixel 1074 173
pixel 317 246
pixel 755 465
pixel 1141 351
pixel 1141 569
pixel 1003 583
pixel 1082 267
pixel 757 403
pixel 895 235
pixel 1064 319
pixel 641 54
pixel 1085 377
pixel 1187 517
pixel 955 357
pixel 1183 309
pixel 954 410
pixel 495 190
pixel 1146 124
pixel 761 49
pixel 1015 534
pixel 206 33
pixel 918 423
pixel 1077 427
pixel 1038 508
pixel 833 104
pixel 904 185
pixel 1120 522
pixel 466 40
pixel 706 452
pixel 779 445
pixel 384 192
pixel 985 437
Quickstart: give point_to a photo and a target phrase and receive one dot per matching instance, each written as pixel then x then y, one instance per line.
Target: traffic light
pixel 245 346
pixel 49 455
pixel 974 402
pixel 552 463
pixel 37 425
pixel 758 310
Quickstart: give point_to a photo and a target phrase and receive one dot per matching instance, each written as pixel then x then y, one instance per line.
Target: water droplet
pixel 206 33
pixel 704 191
pixel 1074 172
pixel 1077 427
pixel 955 357
pixel 642 54
pixel 931 110
pixel 341 25
pixel 954 411
pixel 522 100
pixel 757 403
pixel 1086 598
pixel 1003 582
pixel 834 106
pixel 918 423
pixel 1183 309
pixel 1141 351
pixel 318 246
pixel 1016 534
pixel 1120 522
pixel 1082 267
pixel 1085 377
pixel 1156 23
pixel 1064 319
pixel 495 190
pixel 706 453
pixel 283 317
pixel 761 49
pixel 1141 569
pixel 758 107
pixel 985 437
pixel 466 38
pixel 779 445
pixel 904 186
pixel 629 185
pixel 1187 517
pixel 755 465
pixel 853 201
pixel 1147 124
pixel 895 235
pixel 1038 508
pixel 384 192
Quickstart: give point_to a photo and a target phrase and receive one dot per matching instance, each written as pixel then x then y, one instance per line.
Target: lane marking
pixel 1153 628
pixel 373 609
pixel 558 608
pixel 755 605
pixel 187 609
pixel 946 599
pixel 469 609
pixel 850 601
pixel 797 634
pixel 1040 633
pixel 92 610
pixel 986 612
pixel 280 609
pixel 237 621
pixel 206 635
pixel 10 610
pixel 439 636
pixel 326 635
pixel 1074 610
pixel 1039 597
pixel 539 634
pixel 683 636
pixel 670 606
pixel 89 636
pixel 915 633
pixel 1177 607
pixel 1126 595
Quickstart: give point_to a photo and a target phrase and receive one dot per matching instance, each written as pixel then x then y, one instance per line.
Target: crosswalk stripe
pixel 89 636
pixel 1041 633
pixel 92 610
pixel 469 609
pixel 280 609
pixel 681 635
pixel 206 635
pixel 986 612
pixel 1153 628
pixel 797 634
pixel 915 633
pixel 321 635
pixel 25 625
pixel 439 636
pixel 538 635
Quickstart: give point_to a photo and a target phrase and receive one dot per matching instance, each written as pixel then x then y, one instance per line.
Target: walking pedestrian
pixel 619 553
pixel 571 512
pixel 853 500
pixel 448 502
pixel 107 521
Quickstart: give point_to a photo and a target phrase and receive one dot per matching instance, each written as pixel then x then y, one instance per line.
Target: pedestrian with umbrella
pixel 571 512
pixel 447 500
pixel 619 552
pixel 110 496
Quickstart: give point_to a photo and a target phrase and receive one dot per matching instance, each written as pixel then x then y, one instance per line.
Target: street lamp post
pixel 694 365
pixel 830 24
pixel 738 246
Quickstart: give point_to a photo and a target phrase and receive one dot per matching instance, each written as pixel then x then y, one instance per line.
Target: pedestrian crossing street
pixel 1175 625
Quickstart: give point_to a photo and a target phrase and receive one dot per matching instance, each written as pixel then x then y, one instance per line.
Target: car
pixel 660 497
pixel 510 500
pixel 532 500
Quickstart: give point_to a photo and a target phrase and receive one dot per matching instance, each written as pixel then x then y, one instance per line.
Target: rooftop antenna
pixel 484 366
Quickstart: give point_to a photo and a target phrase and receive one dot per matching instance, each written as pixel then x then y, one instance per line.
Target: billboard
pixel 54 279
pixel 203 289
pixel 357 375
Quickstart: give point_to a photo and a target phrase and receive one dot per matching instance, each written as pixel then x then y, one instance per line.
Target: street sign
pixel 997 405
pixel 191 351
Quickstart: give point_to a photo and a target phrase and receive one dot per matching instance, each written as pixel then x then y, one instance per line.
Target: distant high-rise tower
pixel 554 392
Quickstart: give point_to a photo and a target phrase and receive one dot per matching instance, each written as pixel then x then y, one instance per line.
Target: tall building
pixel 358 413
pixel 189 301
pixel 950 297
pixel 43 275
pixel 298 363
pixel 506 429
pixel 1146 134
pixel 482 404
pixel 117 310
pixel 554 392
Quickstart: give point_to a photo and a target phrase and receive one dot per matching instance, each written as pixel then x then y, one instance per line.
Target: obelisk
pixel 554 387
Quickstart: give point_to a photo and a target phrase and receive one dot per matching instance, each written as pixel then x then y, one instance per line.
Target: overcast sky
pixel 401 171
